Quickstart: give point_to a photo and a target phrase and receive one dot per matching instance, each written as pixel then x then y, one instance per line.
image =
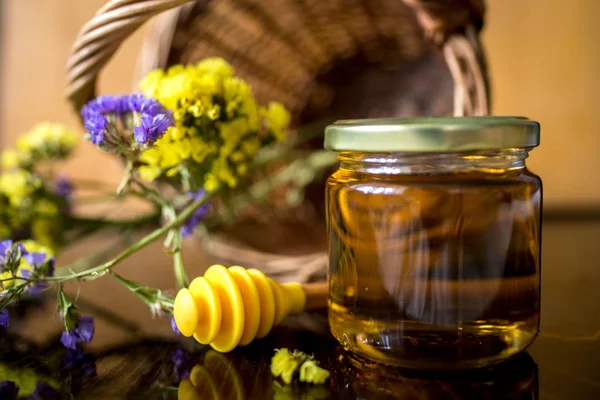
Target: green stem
pixel 145 241
pixel 127 177
pixel 178 267
pixel 180 275
pixel 151 193
pixel 316 161
pixel 86 263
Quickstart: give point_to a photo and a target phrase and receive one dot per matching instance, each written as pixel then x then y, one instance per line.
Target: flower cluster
pixel 30 207
pixel 32 260
pixel 26 383
pixel 44 142
pixel 218 126
pixel 113 121
pixel 286 365
pixel 195 131
pixel 23 266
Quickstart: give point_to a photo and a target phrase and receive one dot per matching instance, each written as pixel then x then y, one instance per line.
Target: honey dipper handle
pixel 316 295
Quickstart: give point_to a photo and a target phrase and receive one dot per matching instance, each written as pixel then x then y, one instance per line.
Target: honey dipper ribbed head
pixel 228 307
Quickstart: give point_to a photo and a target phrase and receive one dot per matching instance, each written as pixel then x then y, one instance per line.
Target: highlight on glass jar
pixel 434 232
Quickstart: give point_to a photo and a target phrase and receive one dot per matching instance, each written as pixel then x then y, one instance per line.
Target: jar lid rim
pixel 435 134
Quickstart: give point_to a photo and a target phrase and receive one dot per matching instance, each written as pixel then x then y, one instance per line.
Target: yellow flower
pixel 251 147
pixel 5 231
pixel 35 247
pixel 238 92
pixel 215 66
pixel 12 158
pixel 31 246
pixel 242 169
pixel 285 363
pixel 48 140
pixel 7 282
pixel 211 183
pixel 151 83
pixel 149 173
pixel 44 231
pixel 45 207
pixel 311 372
pixel 217 124
pixel 278 120
pixel 18 186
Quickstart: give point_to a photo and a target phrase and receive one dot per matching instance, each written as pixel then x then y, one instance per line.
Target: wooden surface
pixel 138 361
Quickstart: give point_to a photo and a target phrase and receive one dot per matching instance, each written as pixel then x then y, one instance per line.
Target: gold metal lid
pixel 432 134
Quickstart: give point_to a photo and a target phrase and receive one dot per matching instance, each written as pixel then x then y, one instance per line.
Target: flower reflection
pixel 8 390
pixel 183 362
pixel 25 375
pixel 44 391
pixel 79 363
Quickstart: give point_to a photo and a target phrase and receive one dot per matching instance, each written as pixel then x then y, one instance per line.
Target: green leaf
pixel 44 268
pixel 148 295
pixel 66 308
pixel 14 258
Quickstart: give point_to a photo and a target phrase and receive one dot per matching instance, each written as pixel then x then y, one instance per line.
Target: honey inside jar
pixel 434 258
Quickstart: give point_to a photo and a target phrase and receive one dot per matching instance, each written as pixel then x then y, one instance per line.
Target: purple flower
pixel 35 288
pixel 94 116
pixel 4 318
pixel 96 125
pixel 154 118
pixel 83 332
pixel 174 326
pixel 43 391
pixel 8 390
pixel 101 105
pixel 187 229
pixel 63 187
pixel 131 103
pixel 5 246
pixel 36 260
pixel 152 128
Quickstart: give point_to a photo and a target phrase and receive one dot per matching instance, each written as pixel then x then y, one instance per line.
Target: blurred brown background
pixel 543 55
pixel 544 58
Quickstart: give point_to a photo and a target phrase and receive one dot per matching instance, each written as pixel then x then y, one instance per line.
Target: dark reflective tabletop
pixel 134 355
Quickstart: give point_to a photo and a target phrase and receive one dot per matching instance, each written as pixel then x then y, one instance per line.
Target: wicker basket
pixel 346 58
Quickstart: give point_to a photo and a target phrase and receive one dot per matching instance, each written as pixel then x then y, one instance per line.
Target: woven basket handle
pixel 100 38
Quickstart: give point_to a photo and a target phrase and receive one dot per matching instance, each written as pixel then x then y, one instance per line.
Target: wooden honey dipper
pixel 232 306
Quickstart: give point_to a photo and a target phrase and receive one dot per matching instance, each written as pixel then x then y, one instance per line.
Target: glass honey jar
pixel 434 230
